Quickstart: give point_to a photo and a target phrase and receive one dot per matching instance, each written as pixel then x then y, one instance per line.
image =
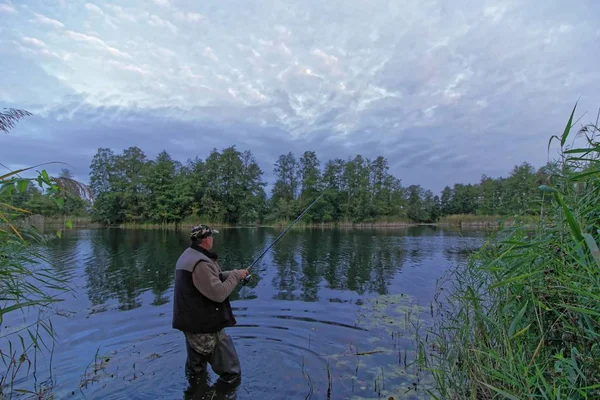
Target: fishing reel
pixel 246 280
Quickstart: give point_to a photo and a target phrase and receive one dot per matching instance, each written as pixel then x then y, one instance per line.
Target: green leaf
pixel 502 392
pixel 593 246
pixel 515 322
pixel 59 233
pixel 550 141
pixel 575 228
pixel 45 176
pixel 568 127
pixel 577 151
pixel 514 278
pixel 69 223
pixel 21 305
pixel 584 174
pixel 522 331
pixel 582 310
pixel 22 185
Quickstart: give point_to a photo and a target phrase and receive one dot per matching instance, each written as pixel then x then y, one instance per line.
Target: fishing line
pixel 249 277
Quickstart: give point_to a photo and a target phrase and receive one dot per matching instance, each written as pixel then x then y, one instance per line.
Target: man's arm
pixel 208 283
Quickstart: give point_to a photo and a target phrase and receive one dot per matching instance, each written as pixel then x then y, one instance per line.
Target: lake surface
pixel 318 298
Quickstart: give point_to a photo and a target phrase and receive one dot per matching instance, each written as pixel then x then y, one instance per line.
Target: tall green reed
pixel 521 319
pixel 28 284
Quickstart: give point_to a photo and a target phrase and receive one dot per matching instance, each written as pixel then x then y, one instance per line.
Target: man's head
pixel 202 235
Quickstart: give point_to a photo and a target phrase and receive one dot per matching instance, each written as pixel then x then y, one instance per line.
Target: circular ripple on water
pixel 287 350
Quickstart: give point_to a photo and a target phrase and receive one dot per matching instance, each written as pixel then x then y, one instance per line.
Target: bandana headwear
pixel 201 231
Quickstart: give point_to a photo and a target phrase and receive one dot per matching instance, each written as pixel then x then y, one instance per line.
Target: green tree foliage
pixel 228 187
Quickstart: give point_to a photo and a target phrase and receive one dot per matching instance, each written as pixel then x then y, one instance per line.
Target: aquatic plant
pixel 25 285
pixel 521 319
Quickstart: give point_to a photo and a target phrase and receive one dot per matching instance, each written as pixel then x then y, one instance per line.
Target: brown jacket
pixel 207 281
pixel 201 293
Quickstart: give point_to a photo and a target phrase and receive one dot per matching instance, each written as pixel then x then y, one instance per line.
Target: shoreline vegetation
pixel 29 281
pixel 460 221
pixel 521 318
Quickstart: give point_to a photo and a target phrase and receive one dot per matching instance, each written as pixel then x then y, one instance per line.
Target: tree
pixel 285 189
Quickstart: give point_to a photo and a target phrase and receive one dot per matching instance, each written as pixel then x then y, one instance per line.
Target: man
pixel 201 308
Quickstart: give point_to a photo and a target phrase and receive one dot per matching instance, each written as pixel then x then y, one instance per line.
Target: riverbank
pixel 463 221
pixel 41 221
pixel 484 221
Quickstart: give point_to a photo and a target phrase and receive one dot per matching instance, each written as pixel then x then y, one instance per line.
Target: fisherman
pixel 201 309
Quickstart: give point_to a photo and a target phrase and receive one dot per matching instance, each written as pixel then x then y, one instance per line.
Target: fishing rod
pixel 248 277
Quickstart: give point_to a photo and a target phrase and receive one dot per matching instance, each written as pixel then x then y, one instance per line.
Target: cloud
pixel 156 21
pixel 444 93
pixel 7 8
pixel 189 16
pixel 130 67
pixel 42 19
pixel 34 42
pixel 94 8
pixel 97 43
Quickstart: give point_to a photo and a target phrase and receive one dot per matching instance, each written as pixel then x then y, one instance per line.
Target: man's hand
pixel 243 273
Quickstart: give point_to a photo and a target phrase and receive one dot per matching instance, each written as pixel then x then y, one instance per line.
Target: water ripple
pixel 311 320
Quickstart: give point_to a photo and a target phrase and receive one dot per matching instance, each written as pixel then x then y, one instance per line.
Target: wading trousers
pixel 223 360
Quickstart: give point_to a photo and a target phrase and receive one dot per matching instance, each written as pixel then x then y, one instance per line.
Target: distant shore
pixel 455 221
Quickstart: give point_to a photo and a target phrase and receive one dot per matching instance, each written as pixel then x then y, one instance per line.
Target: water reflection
pixel 120 265
pixel 125 263
pixel 323 277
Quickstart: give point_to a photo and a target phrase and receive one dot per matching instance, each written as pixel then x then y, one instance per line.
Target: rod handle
pixel 246 280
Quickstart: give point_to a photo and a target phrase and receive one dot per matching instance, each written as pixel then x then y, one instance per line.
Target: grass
pixel 521 320
pixel 487 221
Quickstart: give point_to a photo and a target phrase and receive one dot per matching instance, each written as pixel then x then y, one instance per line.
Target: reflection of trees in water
pixel 387 259
pixel 237 249
pixel 121 264
pixel 112 271
pixel 62 254
pixel 156 258
pixel 357 261
pixel 125 263
pixel 284 257
pixel 313 253
pixel 96 270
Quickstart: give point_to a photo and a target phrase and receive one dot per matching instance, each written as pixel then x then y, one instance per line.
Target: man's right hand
pixel 243 273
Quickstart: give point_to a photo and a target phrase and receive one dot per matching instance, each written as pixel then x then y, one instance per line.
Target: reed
pixel 521 319
pixel 27 281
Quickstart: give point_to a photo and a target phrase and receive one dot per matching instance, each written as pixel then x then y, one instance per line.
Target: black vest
pixel 192 311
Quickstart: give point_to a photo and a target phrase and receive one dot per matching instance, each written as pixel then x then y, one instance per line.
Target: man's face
pixel 208 242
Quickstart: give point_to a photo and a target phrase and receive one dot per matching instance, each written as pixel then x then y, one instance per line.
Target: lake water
pixel 328 313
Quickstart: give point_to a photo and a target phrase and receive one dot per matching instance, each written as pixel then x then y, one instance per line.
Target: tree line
pixel 229 187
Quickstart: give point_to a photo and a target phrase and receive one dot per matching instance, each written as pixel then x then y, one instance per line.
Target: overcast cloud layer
pixel 446 91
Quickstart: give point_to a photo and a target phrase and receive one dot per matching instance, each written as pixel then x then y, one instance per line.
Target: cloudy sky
pixel 445 90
